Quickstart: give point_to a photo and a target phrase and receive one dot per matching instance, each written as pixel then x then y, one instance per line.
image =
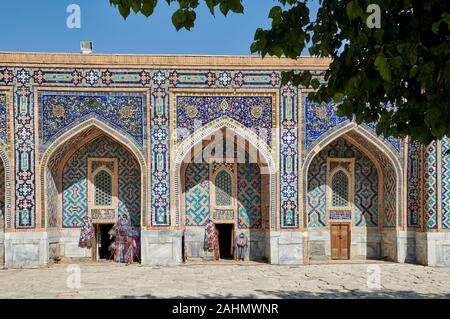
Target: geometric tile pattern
pixel 445 184
pixel 74 182
pixel 289 159
pixel 414 184
pixel 430 187
pixel 160 150
pixel 389 195
pixel 339 189
pixel 4 131
pixel 390 190
pixel 2 196
pixel 254 112
pixel 366 200
pixel 249 196
pixel 25 79
pixel 316 208
pixel 24 152
pixel 223 189
pixel 52 199
pixel 321 118
pixel 197 194
pixel 61 110
pixel 366 191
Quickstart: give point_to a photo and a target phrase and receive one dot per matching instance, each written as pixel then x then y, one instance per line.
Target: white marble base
pixel 434 249
pixel 68 245
pixel 26 249
pixel 161 247
pixel 286 248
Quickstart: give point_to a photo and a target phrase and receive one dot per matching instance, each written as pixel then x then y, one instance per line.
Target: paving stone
pixel 229 281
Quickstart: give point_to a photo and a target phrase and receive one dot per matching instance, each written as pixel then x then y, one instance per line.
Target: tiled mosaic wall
pixel 4 130
pixel 197 195
pixel 366 201
pixel 2 196
pixel 430 187
pixel 249 196
pixel 74 181
pixel 445 188
pixel 415 184
pixel 129 108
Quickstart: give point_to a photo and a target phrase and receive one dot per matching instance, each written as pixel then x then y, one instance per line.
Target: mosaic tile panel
pixel 24 153
pixel 415 179
pixel 160 152
pixel 197 194
pixel 253 112
pixel 226 78
pixel 123 111
pixel 366 200
pixel 319 119
pixel 445 183
pixel 366 191
pixel 4 131
pixel 289 159
pixel 224 189
pixel 74 181
pixel 25 79
pixel 430 187
pixel 389 195
pixel 316 204
pixel 391 192
pixel 2 196
pixel 249 196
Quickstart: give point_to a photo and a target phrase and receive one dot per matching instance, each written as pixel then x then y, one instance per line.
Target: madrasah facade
pixel 180 143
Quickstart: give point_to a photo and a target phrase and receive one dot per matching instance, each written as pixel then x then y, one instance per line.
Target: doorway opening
pixel 225 240
pixel 103 242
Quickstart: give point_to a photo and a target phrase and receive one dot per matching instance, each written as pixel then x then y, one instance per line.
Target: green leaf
pixel 124 11
pixel 413 71
pixel 382 66
pixel 148 7
pixel 315 83
pixel 224 8
pixel 136 6
pixel 353 10
pixel 362 39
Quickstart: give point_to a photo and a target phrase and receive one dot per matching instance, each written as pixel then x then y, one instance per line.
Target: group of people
pixel 123 247
pixel 123 236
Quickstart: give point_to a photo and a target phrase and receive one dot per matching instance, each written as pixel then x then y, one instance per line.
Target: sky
pixel 40 26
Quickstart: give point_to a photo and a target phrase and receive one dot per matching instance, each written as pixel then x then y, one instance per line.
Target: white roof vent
pixel 86 47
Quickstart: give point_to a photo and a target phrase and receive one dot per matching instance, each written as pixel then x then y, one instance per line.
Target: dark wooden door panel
pixel 340 241
pixel 345 242
pixel 335 242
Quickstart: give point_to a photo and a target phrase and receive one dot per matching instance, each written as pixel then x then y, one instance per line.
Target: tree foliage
pixel 397 75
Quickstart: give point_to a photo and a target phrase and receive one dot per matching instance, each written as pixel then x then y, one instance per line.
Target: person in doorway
pixel 241 244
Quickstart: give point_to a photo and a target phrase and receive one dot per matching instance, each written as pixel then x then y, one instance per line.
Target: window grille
pixel 223 183
pixel 103 189
pixel 339 187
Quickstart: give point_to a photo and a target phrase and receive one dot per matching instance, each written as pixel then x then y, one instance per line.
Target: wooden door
pixel 340 241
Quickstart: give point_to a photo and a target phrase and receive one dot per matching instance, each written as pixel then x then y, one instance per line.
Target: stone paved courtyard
pixel 250 280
